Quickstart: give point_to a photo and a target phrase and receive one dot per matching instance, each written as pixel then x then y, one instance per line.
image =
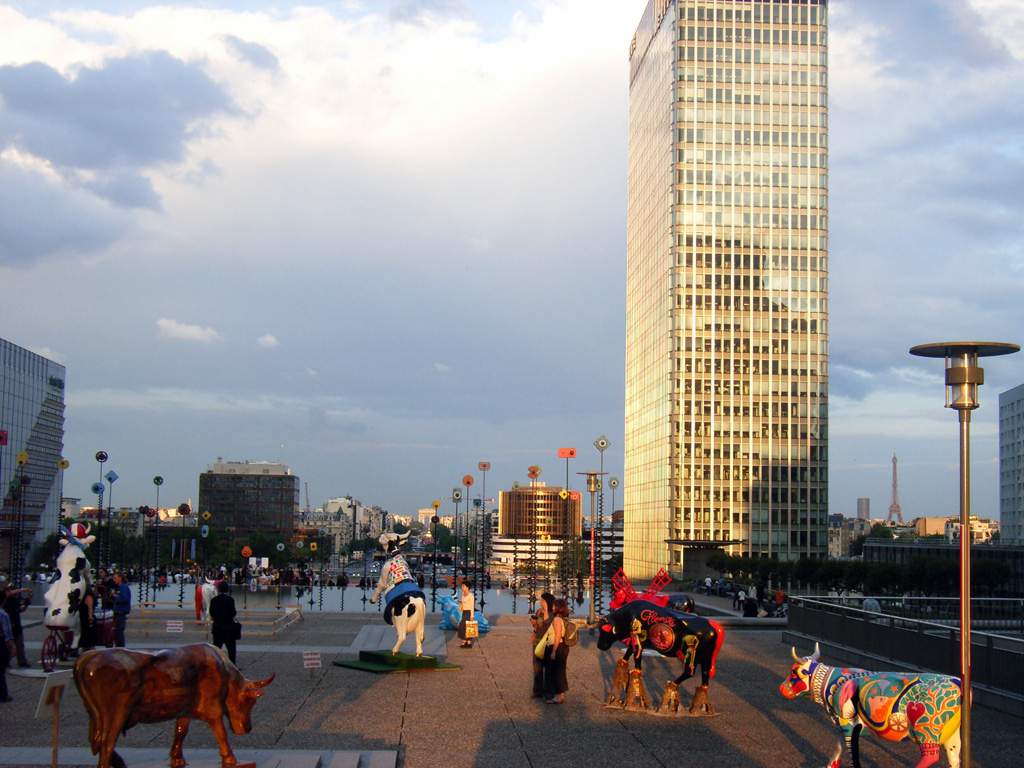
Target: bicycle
pixel 58 644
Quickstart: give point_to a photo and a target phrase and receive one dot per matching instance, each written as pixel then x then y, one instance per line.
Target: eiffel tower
pixel 894 508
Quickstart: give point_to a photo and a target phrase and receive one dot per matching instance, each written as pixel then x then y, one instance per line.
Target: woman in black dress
pixel 222 611
pixel 87 607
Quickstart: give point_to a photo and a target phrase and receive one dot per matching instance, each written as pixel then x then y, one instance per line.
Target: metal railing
pixel 897 632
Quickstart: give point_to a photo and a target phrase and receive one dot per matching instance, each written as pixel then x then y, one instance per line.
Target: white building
pixel 1011 466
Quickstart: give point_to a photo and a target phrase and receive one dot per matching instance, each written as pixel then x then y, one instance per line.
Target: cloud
pixel 267 341
pixel 255 54
pixel 172 329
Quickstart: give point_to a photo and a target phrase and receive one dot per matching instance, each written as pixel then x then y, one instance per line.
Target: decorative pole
pixel 434 520
pixel 157 481
pixel 601 444
pixel 101 457
pixel 963 377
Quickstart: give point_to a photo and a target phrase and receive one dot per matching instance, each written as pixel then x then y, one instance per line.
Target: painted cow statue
pixel 69 581
pixel 404 603
pixel 204 594
pixel 898 706
pixel 121 688
pixel 641 624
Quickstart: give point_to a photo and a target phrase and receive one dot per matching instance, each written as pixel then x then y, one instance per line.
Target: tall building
pixel 251 496
pixel 1011 466
pixel 31 424
pixel 727 316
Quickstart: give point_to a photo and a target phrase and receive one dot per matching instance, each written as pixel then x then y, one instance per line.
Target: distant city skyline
pixel 383 242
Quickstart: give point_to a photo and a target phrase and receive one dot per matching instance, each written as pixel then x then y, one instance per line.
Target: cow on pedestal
pixel 405 604
pixel 641 624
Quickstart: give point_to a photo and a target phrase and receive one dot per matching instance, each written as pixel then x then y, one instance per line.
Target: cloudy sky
pixel 384 241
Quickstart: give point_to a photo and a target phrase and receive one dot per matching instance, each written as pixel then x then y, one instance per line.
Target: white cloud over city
pixel 253 233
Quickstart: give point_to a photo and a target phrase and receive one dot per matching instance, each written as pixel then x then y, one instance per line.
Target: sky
pixel 384 241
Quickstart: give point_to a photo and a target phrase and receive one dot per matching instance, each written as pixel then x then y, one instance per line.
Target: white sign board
pixel 62 679
pixel 311 660
pixel 174 626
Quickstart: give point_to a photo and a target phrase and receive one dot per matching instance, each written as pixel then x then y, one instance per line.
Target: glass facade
pixel 32 414
pixel 1011 466
pixel 727 311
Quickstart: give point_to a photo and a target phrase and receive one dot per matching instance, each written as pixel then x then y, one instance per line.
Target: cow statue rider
pixel 404 602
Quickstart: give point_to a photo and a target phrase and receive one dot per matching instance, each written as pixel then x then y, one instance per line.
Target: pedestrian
pixel 14 606
pixel 226 631
pixel 707 586
pixel 105 588
pixel 87 619
pixel 467 604
pixel 122 607
pixel 740 601
pixel 557 654
pixel 541 622
pixel 7 650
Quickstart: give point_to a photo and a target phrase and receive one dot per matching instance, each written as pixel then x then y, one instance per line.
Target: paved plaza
pixel 481 716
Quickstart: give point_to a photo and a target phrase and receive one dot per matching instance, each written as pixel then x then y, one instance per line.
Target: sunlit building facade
pixel 727 312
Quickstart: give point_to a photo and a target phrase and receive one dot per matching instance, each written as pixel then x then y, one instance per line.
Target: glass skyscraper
pixel 32 418
pixel 727 311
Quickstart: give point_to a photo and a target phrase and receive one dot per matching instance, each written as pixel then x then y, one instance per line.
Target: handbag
pixel 542 644
pixel 236 631
pixel 472 629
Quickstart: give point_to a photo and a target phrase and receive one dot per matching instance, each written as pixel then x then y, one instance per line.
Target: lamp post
pixel 593 485
pixel 456 497
pixel 101 457
pixel 963 377
pixel 157 481
pixel 601 444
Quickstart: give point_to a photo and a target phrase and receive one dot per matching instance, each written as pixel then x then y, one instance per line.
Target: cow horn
pixel 817 653
pixel 796 658
pixel 260 683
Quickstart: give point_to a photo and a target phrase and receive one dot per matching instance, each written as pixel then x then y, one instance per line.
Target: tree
pixel 880 531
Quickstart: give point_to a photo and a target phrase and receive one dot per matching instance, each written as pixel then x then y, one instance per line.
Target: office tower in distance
pixel 726 341
pixel 1011 466
pixel 863 509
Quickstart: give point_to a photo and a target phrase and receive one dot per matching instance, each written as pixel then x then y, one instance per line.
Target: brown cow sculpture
pixel 121 688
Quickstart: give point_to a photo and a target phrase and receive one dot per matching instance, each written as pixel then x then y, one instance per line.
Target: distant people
pixel 14 606
pixel 7 649
pixel 467 604
pixel 226 631
pixel 105 588
pixel 122 603
pixel 738 598
pixel 750 607
pixel 343 580
pixel 556 655
pixel 707 586
pixel 541 622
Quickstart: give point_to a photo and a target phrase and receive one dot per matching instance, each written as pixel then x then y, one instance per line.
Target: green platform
pixel 385 662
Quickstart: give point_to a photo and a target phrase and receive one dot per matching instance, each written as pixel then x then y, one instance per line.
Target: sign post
pixel 53 689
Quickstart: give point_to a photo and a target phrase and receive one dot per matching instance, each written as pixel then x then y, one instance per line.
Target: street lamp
pixel 963 377
pixel 593 485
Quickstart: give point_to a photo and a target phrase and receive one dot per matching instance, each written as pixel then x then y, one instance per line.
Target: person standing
pixel 122 607
pixel 467 605
pixel 87 618
pixel 541 622
pixel 7 650
pixel 556 655
pixel 222 611
pixel 14 606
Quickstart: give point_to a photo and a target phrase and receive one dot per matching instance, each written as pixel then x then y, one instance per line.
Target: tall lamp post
pixel 593 485
pixel 963 377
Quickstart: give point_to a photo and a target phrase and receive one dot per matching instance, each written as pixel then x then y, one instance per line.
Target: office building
pixel 31 425
pixel 1011 466
pixel 727 316
pixel 251 496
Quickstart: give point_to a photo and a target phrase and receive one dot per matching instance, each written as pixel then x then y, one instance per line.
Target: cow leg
pixel 180 732
pixel 400 626
pixel 851 736
pixel 108 733
pixel 929 755
pixel 419 634
pixel 701 702
pixel 953 750
pixel 620 681
pixel 636 693
pixel 227 757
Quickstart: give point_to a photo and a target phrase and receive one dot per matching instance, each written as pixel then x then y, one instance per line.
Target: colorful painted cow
pixel 405 604
pixel 641 624
pixel 898 706
pixel 122 687
pixel 69 581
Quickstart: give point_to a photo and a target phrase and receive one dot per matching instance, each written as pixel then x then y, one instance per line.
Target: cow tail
pixel 718 645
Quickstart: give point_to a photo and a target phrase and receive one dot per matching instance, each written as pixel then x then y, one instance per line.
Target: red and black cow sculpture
pixel 121 688
pixel 641 624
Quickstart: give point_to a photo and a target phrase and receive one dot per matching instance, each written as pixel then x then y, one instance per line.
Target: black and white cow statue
pixel 405 604
pixel 69 581
pixel 641 624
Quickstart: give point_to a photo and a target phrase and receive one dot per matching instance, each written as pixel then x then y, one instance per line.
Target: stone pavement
pixel 482 716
